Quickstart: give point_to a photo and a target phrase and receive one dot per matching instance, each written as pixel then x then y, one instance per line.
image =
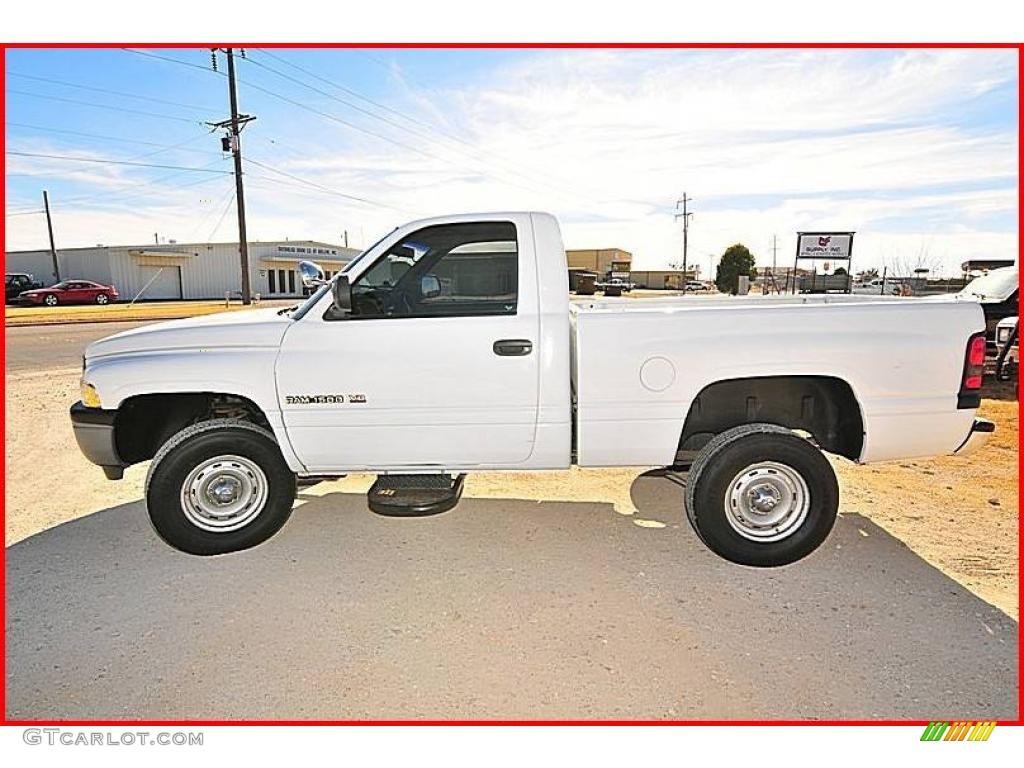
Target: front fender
pixel 242 372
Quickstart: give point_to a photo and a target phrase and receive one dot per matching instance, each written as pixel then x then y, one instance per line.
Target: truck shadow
pixel 501 608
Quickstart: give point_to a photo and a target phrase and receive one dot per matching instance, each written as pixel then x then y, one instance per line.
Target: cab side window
pixel 454 270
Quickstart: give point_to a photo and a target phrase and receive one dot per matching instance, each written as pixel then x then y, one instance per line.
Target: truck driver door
pixel 436 366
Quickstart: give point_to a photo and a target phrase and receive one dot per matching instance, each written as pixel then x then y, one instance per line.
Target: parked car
pixel 616 286
pixel 69 292
pixel 1007 362
pixel 997 292
pixel 694 286
pixel 17 282
pixel 381 370
pixel 878 287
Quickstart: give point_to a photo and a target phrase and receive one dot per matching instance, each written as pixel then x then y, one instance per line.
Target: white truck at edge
pixel 451 346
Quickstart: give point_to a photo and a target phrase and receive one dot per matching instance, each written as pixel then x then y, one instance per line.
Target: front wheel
pixel 50 300
pixel 760 495
pixel 219 486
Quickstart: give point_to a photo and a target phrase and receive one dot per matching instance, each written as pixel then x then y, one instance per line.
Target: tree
pixel 840 271
pixel 867 275
pixel 906 265
pixel 737 260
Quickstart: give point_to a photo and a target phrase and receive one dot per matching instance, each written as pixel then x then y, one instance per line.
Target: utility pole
pixel 49 228
pixel 775 247
pixel 685 216
pixel 236 150
pixel 233 143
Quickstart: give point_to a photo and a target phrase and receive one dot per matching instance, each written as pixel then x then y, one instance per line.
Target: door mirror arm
pixel 341 292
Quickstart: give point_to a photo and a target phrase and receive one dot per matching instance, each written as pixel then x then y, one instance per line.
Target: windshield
pixel 997 284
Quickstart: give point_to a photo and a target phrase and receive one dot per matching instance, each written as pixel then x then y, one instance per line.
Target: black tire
pixel 190 448
pixel 102 299
pixel 50 300
pixel 720 462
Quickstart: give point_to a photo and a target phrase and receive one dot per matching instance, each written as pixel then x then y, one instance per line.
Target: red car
pixel 70 292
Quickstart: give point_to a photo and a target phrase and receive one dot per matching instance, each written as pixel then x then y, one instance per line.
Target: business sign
pixel 824 245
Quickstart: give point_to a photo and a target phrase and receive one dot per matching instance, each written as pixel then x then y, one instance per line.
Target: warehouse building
pixel 604 262
pixel 663 279
pixel 172 270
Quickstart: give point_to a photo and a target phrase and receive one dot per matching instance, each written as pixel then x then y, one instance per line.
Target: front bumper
pixel 981 431
pixel 94 431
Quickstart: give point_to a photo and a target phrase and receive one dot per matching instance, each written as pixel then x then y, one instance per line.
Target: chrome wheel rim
pixel 51 300
pixel 224 493
pixel 767 501
pixel 101 299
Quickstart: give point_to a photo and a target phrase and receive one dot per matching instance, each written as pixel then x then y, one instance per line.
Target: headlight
pixel 90 397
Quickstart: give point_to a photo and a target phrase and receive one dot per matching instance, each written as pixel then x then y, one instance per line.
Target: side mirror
pixel 430 286
pixel 311 273
pixel 342 294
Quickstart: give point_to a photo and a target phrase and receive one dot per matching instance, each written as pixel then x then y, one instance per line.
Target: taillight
pixel 974 364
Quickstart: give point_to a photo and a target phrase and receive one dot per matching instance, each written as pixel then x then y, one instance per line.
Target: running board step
pixel 414 495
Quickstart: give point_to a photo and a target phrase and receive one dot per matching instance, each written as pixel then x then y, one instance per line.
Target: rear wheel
pixel 219 486
pixel 102 298
pixel 760 495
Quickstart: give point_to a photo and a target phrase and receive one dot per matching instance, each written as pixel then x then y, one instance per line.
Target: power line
pixel 79 201
pixel 472 155
pixel 206 217
pixel 165 148
pixel 105 137
pixel 102 106
pixel 122 189
pixel 109 91
pixel 151 55
pixel 350 91
pixel 105 161
pixel 84 200
pixel 286 99
pixel 348 104
pixel 220 220
pixel 323 188
pixel 550 181
pixel 361 129
pixel 327 115
pixel 334 118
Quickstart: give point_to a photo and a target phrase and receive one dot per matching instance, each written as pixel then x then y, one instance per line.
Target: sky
pixel 915 150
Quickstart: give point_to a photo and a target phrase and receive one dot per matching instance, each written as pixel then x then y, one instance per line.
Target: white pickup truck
pixel 451 346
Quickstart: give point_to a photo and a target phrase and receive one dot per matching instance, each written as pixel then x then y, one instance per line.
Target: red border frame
pixel 525 46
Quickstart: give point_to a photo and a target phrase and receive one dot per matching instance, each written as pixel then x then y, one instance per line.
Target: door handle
pixel 513 347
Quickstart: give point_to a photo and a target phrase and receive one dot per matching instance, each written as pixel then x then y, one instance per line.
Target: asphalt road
pixel 54 346
pixel 498 609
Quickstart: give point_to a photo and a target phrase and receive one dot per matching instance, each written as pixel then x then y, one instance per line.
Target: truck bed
pixel 639 364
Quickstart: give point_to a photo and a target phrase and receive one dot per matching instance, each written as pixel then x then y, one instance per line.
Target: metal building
pixel 185 270
pixel 606 262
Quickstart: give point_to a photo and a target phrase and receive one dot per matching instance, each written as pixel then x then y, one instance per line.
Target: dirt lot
pixel 960 514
